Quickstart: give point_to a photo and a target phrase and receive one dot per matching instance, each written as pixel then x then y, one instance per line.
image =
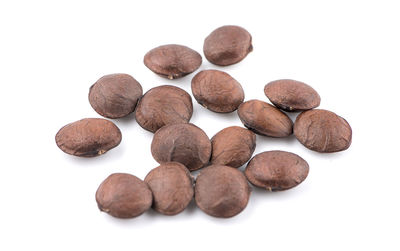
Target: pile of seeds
pixel 220 189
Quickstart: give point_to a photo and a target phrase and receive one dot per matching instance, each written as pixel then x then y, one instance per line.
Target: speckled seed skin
pixel 115 95
pixel 164 105
pixel 172 187
pixel 123 195
pixel 221 191
pixel 227 45
pixel 172 61
pixel 88 137
pixel 291 95
pixel 217 91
pixel 265 119
pixel 323 131
pixel 276 170
pixel 183 143
pixel 232 146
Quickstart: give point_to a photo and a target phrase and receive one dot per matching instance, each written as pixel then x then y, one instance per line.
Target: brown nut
pixel 183 143
pixel 172 187
pixel 115 95
pixel 164 105
pixel 276 170
pixel 265 119
pixel 123 195
pixel 232 146
pixel 227 45
pixel 217 91
pixel 291 95
pixel 221 191
pixel 172 60
pixel 322 131
pixel 88 137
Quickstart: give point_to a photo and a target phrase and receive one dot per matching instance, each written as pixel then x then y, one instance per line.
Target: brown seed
pixel 276 170
pixel 221 191
pixel 217 91
pixel 164 105
pixel 172 187
pixel 183 143
pixel 291 95
pixel 322 131
pixel 115 96
pixel 227 45
pixel 265 119
pixel 123 195
pixel 232 146
pixel 88 137
pixel 172 60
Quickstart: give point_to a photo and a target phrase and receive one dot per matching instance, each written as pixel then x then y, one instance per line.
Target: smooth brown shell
pixel 172 187
pixel 232 146
pixel 217 91
pixel 88 137
pixel 322 131
pixel 183 143
pixel 164 105
pixel 265 119
pixel 123 195
pixel 276 170
pixel 172 60
pixel 221 191
pixel 227 45
pixel 115 95
pixel 291 95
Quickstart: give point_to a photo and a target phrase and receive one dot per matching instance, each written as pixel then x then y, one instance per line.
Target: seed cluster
pixel 220 189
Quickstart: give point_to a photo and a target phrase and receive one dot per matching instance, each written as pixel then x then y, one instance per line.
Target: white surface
pixel 51 52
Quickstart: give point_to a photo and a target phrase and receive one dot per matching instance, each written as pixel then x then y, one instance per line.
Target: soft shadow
pixel 127 119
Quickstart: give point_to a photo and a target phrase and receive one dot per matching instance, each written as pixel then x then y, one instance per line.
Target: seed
pixel 164 105
pixel 227 45
pixel 88 137
pixel 115 96
pixel 172 60
pixel 217 91
pixel 232 146
pixel 123 195
pixel 183 143
pixel 222 191
pixel 291 95
pixel 322 131
pixel 276 170
pixel 265 119
pixel 172 187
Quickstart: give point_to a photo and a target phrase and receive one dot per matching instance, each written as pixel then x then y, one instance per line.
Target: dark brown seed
pixel 183 143
pixel 88 137
pixel 172 187
pixel 291 95
pixel 172 60
pixel 123 195
pixel 265 119
pixel 276 170
pixel 164 105
pixel 115 96
pixel 232 146
pixel 217 91
pixel 322 131
pixel 222 191
pixel 227 45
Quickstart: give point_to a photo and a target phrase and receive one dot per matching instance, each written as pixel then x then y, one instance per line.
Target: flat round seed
pixel 172 60
pixel 172 187
pixel 323 131
pixel 276 170
pixel 88 137
pixel 217 91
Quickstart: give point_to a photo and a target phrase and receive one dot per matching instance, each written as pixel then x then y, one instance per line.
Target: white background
pixel 51 52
